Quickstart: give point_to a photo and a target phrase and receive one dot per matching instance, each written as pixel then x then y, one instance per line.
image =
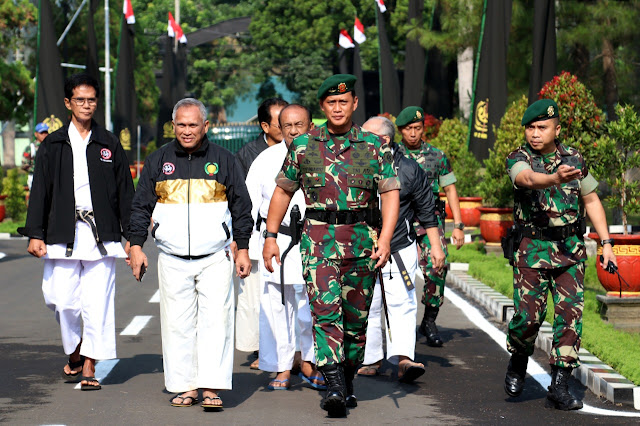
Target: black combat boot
pixel 334 402
pixel 428 327
pixel 350 399
pixel 516 372
pixel 558 395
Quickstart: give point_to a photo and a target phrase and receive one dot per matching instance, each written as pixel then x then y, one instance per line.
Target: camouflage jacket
pixel 29 157
pixel 557 205
pixel 338 173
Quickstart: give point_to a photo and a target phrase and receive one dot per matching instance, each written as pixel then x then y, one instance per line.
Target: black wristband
pixel 609 241
pixel 267 234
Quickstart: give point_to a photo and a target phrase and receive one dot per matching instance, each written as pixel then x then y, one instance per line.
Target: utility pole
pixel 107 70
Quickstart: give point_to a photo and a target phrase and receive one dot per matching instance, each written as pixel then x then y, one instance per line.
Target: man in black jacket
pixel 416 200
pixel 79 208
pixel 201 209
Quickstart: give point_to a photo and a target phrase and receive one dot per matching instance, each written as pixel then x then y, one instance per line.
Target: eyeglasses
pixel 81 101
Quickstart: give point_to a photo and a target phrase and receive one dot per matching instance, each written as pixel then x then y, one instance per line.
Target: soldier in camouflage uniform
pixel 552 188
pixel 340 169
pixel 29 154
pixel 410 122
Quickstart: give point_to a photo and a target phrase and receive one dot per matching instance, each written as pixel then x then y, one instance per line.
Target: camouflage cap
pixel 338 84
pixel 409 115
pixel 543 109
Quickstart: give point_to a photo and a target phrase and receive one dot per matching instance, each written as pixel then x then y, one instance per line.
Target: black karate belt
pixel 202 256
pixel 86 216
pixel 403 271
pixel 372 217
pixel 553 233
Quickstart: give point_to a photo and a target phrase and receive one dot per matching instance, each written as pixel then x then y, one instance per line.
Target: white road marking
pixel 137 323
pixel 155 298
pixel 103 368
pixel 2 255
pixel 534 369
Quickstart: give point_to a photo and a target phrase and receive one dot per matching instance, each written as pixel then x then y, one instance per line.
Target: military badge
pixel 342 87
pixel 418 115
pixel 550 111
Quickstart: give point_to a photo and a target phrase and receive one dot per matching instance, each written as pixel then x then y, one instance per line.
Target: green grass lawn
pixel 617 348
pixel 10 226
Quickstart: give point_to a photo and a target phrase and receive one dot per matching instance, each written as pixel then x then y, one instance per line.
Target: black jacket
pixel 416 200
pixel 51 214
pixel 250 151
pixel 196 201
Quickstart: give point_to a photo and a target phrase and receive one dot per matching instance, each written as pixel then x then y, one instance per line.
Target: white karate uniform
pixel 248 310
pixel 196 316
pixel 80 289
pixel 278 322
pixel 402 307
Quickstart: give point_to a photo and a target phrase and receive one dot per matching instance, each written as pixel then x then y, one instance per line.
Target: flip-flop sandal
pixel 89 386
pixel 208 406
pixel 369 370
pixel 310 381
pixel 73 377
pixel 411 373
pixel 285 381
pixel 194 401
pixel 255 365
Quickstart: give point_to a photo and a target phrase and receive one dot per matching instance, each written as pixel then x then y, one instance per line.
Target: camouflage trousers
pixel 433 292
pixel 340 293
pixel 531 287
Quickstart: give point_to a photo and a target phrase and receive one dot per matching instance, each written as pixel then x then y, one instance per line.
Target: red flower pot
pixel 469 210
pixel 133 170
pixel 627 251
pixel 3 210
pixel 494 222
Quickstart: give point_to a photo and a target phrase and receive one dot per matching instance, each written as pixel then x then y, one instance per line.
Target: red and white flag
pixel 345 40
pixel 127 9
pixel 174 30
pixel 381 6
pixel 358 32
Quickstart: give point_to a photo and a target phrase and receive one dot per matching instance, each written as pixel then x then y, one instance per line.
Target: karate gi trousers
pixel 248 311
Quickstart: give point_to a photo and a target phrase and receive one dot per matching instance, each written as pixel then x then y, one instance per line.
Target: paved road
pixel 463 383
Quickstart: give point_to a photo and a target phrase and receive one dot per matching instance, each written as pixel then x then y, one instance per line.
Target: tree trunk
pixel 9 144
pixel 610 84
pixel 465 81
pixel 581 60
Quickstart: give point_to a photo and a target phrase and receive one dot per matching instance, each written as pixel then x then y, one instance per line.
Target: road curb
pixel 600 378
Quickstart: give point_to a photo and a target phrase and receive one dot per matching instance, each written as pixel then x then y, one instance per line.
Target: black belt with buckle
pixel 86 216
pixel 346 217
pixel 553 233
pixel 202 256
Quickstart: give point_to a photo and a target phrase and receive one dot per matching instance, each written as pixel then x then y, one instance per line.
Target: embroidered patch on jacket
pixel 168 168
pixel 105 155
pixel 211 168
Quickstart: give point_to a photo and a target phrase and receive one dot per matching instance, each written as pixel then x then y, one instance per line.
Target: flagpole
pixel 35 97
pixel 177 10
pixel 107 70
pixel 379 60
pixel 472 113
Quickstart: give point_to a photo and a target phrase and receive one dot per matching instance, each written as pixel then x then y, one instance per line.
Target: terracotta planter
pixel 3 210
pixel 494 222
pixel 133 170
pixel 469 210
pixel 627 251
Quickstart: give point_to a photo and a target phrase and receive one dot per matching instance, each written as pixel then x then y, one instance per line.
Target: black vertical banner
pixel 360 115
pixel 93 68
pixel 343 66
pixel 390 82
pixel 414 62
pixel 164 127
pixel 180 87
pixel 440 76
pixel 125 112
pixel 543 63
pixel 49 79
pixel 490 97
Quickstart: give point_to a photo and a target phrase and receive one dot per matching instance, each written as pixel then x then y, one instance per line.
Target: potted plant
pixel 496 214
pixel 618 152
pixel 452 139
pixel 14 197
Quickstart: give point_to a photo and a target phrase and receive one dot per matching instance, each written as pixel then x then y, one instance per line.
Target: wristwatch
pixel 609 241
pixel 268 234
pixel 459 226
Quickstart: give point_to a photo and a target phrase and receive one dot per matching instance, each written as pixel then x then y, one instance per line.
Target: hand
pixel 566 174
pixel 269 251
pixel 137 259
pixel 234 250
pixel 607 254
pixel 127 249
pixel 243 263
pixel 382 253
pixel 458 237
pixel 437 257
pixel 37 247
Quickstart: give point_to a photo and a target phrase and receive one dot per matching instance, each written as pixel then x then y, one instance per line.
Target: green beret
pixel 338 84
pixel 543 109
pixel 409 115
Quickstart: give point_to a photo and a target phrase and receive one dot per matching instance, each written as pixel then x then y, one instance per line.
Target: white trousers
pixel 248 311
pixel 81 293
pixel 278 325
pixel 196 318
pixel 402 307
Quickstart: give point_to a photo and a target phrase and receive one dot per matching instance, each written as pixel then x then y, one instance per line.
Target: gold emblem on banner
pixel 481 121
pixel 53 122
pixel 125 139
pixel 167 130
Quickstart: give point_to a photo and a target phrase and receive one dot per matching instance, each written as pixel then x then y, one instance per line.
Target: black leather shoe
pixel 428 327
pixel 558 396
pixel 350 399
pixel 516 372
pixel 334 401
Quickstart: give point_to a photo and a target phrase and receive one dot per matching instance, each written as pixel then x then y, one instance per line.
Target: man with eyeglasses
pixel 248 309
pixel 79 210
